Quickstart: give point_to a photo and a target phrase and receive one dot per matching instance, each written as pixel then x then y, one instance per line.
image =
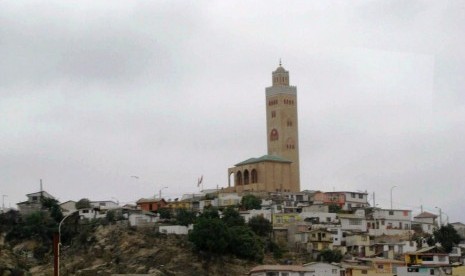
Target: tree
pixel 250 202
pixel 260 225
pixel 165 213
pixel 245 244
pixel 232 217
pixel 447 236
pixel 185 217
pixel 54 208
pixel 211 212
pixel 334 208
pixel 210 234
pixel 330 256
pixel 83 203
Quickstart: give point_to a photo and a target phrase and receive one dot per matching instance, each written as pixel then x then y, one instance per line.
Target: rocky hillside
pixel 116 249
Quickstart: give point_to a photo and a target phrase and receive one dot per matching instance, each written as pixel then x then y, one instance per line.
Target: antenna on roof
pixel 280 63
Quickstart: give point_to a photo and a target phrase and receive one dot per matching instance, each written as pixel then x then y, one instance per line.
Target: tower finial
pixel 280 62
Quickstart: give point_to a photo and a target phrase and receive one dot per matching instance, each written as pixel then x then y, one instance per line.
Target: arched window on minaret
pixel 246 177
pixel 238 178
pixel 254 176
pixel 274 136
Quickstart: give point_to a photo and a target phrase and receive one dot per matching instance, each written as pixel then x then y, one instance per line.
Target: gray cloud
pixel 94 93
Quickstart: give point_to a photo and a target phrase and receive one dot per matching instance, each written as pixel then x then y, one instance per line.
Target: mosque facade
pixel 278 170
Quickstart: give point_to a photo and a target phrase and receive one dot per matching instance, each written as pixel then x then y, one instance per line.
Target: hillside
pixel 116 249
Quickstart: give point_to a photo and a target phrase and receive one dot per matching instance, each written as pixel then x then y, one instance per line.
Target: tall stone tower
pixel 282 124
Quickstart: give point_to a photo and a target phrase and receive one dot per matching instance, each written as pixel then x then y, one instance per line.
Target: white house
pixel 280 270
pixel 34 202
pixel 104 204
pixel 91 213
pixel 319 217
pixel 175 229
pixel 390 222
pixel 426 221
pixel 354 222
pixel 324 269
pixel 247 215
pixel 141 218
pixel 68 207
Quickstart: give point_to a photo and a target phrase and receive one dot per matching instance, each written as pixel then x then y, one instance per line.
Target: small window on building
pixel 273 114
pixel 352 195
pixel 431 271
pixel 364 271
pixel 360 196
pixel 391 213
pixel 334 271
pixel 34 198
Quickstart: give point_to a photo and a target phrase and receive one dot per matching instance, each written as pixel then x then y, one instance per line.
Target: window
pixel 352 195
pixel 334 271
pixel 355 222
pixel 284 274
pixel 274 136
pixel 360 196
pixel 272 273
pixel 427 258
pixel 364 271
pixel 431 271
pixel 85 211
pixel 391 213
pixel 34 198
pixel 273 114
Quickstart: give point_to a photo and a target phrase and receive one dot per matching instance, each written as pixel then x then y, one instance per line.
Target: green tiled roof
pixel 264 158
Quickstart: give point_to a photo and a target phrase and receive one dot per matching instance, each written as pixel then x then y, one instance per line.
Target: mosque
pixel 277 171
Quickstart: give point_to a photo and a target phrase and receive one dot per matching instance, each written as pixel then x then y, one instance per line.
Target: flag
pixel 199 181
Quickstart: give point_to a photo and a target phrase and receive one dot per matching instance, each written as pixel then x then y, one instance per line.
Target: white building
pixel 247 215
pixel 353 222
pixel 324 269
pixel 426 221
pixel 390 222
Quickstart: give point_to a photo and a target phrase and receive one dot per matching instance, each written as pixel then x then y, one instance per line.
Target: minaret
pixel 282 123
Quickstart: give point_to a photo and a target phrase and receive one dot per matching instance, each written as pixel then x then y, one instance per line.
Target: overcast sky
pixel 93 93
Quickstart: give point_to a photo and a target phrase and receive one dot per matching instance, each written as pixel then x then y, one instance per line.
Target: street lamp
pixel 159 192
pixel 57 272
pixel 391 194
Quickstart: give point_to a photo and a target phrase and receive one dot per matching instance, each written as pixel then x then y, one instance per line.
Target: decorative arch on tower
pixel 274 135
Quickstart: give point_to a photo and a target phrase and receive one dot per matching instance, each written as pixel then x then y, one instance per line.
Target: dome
pixel 280 69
